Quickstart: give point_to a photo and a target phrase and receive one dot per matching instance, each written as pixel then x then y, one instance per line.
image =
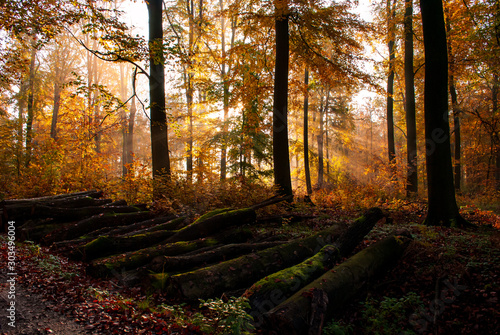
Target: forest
pixel 217 167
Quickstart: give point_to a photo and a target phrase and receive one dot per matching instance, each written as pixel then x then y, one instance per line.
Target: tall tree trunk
pixel 496 142
pixel 30 107
pixel 123 95
pixel 21 107
pixel 55 110
pixel 322 112
pixel 225 98
pixel 130 135
pixel 391 13
pixel 159 135
pixel 456 111
pixel 443 209
pixel 411 124
pixel 306 132
pixel 281 157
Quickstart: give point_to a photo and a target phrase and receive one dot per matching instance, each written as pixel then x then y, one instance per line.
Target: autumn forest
pixel 289 110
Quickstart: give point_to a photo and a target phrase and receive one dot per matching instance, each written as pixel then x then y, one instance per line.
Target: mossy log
pixel 288 281
pixel 214 222
pixel 112 265
pixel 243 271
pixel 174 224
pixel 109 245
pixel 217 254
pixel 76 248
pixel 340 284
pixel 93 223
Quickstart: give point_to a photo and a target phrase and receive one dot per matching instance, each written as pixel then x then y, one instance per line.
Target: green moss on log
pixel 107 266
pixel 214 223
pixel 282 284
pixel 245 270
pixel 340 284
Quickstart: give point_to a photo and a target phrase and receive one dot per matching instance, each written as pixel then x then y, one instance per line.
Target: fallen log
pixel 24 212
pixel 288 281
pixel 109 245
pixel 53 198
pixel 112 265
pixel 340 284
pixel 243 271
pixel 69 248
pixel 174 224
pixel 217 254
pixel 214 222
pixel 93 223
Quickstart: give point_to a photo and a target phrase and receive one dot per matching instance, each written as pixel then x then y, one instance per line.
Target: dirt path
pixel 33 314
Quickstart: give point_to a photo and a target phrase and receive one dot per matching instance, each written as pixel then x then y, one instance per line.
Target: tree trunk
pixel 391 13
pixel 241 272
pixel 281 156
pixel 288 281
pixel 159 134
pixel 225 97
pixel 30 107
pixel 455 108
pixel 443 209
pixel 340 284
pixel 411 124
pixel 55 110
pixel 306 132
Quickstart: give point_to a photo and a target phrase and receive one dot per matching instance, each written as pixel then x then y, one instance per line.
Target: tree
pixel 443 209
pixel 306 132
pixel 411 124
pixel 281 160
pixel 159 134
pixel 391 13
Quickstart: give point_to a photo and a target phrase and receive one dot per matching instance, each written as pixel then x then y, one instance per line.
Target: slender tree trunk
pixel 390 82
pixel 411 124
pixel 225 98
pixel 159 134
pixel 130 135
pixel 306 132
pixel 443 209
pixel 322 112
pixel 20 130
pixel 281 157
pixel 456 111
pixel 123 94
pixel 30 107
pixel 496 142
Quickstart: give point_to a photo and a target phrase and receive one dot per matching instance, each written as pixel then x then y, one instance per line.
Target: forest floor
pixel 447 282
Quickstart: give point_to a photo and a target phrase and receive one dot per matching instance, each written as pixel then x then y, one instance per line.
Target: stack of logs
pixel 293 286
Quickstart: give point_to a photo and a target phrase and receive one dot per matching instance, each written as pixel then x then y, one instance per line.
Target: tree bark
pixel 281 156
pixel 443 209
pixel 159 132
pixel 411 123
pixel 340 284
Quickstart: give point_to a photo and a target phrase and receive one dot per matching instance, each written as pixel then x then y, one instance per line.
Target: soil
pixel 33 314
